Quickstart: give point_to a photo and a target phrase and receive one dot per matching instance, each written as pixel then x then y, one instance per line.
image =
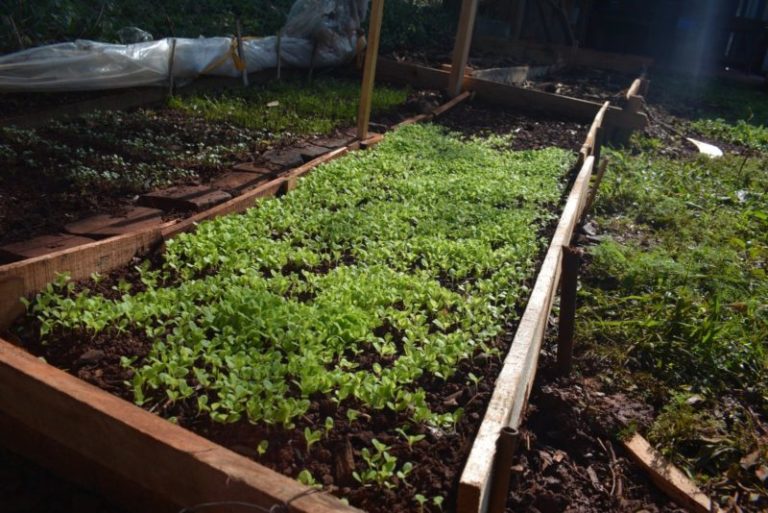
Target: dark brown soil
pixel 587 84
pixel 571 458
pixel 438 458
pixel 527 132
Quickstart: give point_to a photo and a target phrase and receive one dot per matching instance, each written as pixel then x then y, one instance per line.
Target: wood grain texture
pixel 670 479
pixel 369 71
pixel 20 279
pixel 528 100
pixel 138 447
pixel 568 55
pixel 513 385
pixel 461 46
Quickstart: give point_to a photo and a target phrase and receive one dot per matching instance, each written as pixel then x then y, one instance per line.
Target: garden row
pixel 455 301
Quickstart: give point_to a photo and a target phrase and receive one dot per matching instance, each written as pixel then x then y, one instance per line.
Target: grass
pixel 372 280
pixel 676 298
pixel 289 106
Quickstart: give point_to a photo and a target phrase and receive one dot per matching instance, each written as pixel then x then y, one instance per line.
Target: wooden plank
pixel 571 56
pixel 588 148
pixel 513 385
pixel 461 46
pixel 21 279
pixel 510 96
pixel 139 448
pixel 442 109
pixel 670 479
pixel 369 71
pixel 634 98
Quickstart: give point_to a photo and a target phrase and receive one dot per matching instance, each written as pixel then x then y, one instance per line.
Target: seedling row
pixel 348 333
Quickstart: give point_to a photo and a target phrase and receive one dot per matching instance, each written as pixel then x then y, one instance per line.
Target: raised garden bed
pixel 66 171
pixel 399 446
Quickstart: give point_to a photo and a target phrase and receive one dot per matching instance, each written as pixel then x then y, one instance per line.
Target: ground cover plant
pixel 675 300
pixel 348 313
pixel 60 172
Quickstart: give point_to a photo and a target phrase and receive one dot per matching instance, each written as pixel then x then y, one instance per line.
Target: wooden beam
pixel 514 382
pixel 369 71
pixel 571 56
pixel 21 279
pixel 140 450
pixel 462 46
pixel 670 479
pixel 528 100
pixel 634 96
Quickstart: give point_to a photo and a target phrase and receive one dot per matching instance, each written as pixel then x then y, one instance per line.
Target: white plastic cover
pixel 322 32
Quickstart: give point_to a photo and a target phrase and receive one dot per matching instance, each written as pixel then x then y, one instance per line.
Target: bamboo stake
pixel 461 48
pixel 369 72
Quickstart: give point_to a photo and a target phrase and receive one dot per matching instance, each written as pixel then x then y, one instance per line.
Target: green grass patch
pixel 678 296
pixel 291 106
pixel 413 254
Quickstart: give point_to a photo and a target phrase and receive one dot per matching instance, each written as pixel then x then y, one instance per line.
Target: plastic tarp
pixel 317 32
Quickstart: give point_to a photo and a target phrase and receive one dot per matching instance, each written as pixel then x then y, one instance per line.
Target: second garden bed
pixel 347 334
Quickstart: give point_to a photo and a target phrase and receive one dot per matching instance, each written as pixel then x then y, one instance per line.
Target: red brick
pixel 186 197
pixel 252 167
pixel 107 225
pixel 237 181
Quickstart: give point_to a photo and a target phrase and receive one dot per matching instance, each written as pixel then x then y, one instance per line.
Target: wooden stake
pixel 509 439
pixel 369 72
pixel 571 260
pixel 171 60
pixel 241 52
pixel 461 48
pixel 279 60
pixel 668 477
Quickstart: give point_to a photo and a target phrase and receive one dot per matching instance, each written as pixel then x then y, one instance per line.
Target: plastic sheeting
pixel 318 32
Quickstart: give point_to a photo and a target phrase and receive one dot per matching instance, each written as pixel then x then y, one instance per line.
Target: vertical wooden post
pixel 462 45
pixel 369 71
pixel 171 61
pixel 571 260
pixel 241 51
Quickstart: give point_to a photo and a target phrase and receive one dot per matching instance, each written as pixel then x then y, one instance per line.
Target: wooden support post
pixel 369 72
pixel 171 61
pixel 509 439
pixel 241 52
pixel 571 260
pixel 595 186
pixel 462 45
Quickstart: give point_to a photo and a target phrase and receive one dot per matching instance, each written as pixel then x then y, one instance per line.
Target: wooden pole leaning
pixel 369 72
pixel 462 45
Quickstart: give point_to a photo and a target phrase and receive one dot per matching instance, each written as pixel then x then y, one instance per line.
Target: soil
pixel 586 84
pixel 438 459
pixel 571 458
pixel 527 132
pixel 37 192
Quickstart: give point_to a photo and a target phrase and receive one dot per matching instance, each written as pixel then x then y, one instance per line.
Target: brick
pixel 252 167
pixel 235 182
pixel 310 151
pixel 185 197
pixel 41 246
pixel 108 225
pixel 284 158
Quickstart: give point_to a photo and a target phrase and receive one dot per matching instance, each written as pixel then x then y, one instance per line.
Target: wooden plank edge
pixel 572 56
pixel 508 95
pixel 513 384
pixel 182 468
pixel 20 279
pixel 588 148
pixel 670 479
